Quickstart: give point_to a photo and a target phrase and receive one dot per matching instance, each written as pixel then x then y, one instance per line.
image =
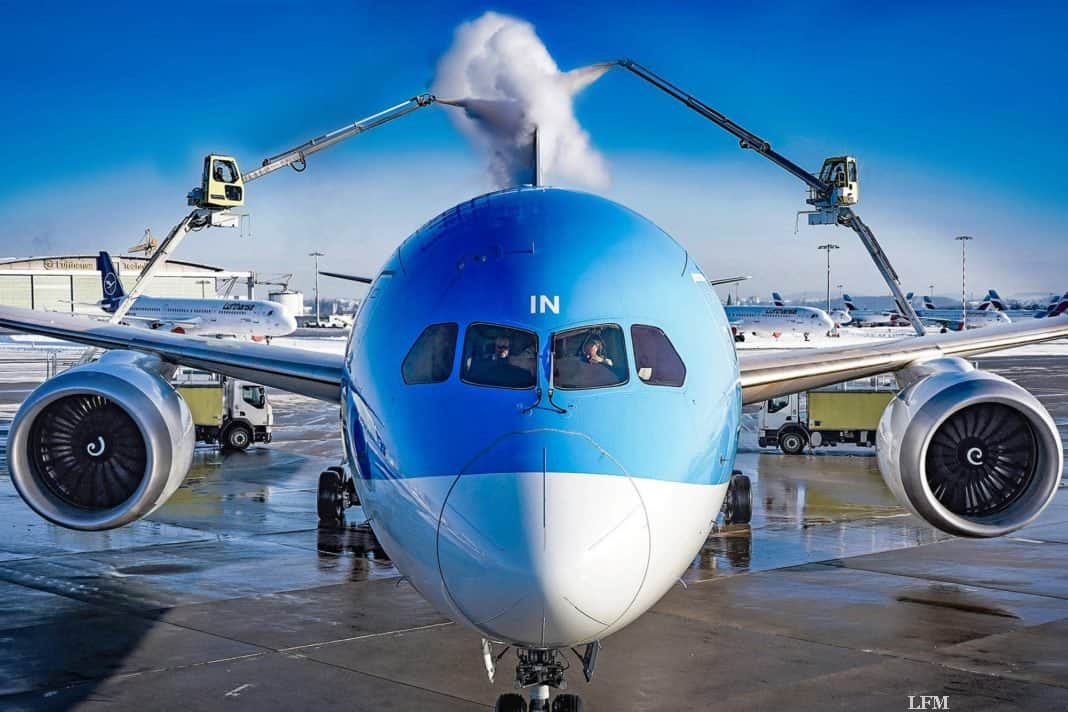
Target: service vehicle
pixel 227 411
pixel 843 413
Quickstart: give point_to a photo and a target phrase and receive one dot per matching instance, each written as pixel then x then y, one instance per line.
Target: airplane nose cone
pixel 543 541
pixel 289 323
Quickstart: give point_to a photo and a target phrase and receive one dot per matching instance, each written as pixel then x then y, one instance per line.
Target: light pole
pixel 963 279
pixel 829 246
pixel 203 283
pixel 316 255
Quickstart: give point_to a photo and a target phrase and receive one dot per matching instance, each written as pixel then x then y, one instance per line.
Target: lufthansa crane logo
pixel 110 283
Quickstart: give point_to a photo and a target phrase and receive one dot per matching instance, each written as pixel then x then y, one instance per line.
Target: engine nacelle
pixel 968 451
pixel 103 444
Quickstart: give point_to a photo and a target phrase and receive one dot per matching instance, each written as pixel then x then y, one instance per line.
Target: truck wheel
pixel 793 442
pixel 238 436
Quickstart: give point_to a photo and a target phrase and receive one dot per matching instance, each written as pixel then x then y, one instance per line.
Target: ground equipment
pixel 844 413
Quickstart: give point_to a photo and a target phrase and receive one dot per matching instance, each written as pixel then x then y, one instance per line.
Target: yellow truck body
pixel 847 410
pixel 205 401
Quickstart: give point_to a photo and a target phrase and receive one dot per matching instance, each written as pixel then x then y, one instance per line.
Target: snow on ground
pixel 870 335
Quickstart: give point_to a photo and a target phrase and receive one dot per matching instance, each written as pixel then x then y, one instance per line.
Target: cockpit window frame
pixel 524 330
pixel 583 327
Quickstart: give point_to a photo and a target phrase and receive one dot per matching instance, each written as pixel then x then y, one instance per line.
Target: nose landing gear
pixel 337 492
pixel 540 670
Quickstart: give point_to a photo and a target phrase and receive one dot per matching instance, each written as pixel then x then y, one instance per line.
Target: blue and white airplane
pixel 253 318
pixel 541 402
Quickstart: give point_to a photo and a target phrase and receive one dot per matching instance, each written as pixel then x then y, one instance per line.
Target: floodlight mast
pixel 830 193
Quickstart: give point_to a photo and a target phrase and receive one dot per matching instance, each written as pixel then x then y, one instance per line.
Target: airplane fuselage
pixel 539 497
pixel 779 320
pixel 212 317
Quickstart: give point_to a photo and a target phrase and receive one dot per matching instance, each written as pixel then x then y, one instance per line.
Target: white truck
pixel 227 411
pixel 844 413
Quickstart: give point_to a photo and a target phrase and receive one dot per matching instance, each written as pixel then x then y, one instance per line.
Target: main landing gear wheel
pixel 793 442
pixel 510 702
pixel 331 499
pixel 738 507
pixel 237 436
pixel 567 703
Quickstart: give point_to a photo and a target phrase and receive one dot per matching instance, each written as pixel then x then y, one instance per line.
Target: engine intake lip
pixel 130 388
pixel 1035 488
pixel 88 451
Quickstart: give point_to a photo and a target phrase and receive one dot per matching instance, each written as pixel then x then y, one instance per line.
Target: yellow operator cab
pixel 221 185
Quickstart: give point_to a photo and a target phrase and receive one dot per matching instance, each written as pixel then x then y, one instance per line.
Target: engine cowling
pixel 968 451
pixel 101 445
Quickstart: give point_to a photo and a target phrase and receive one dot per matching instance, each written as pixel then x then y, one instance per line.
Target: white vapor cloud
pixel 506 81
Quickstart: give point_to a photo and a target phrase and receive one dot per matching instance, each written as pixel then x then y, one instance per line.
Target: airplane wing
pixel 768 374
pixel 727 280
pixel 301 371
pixel 349 277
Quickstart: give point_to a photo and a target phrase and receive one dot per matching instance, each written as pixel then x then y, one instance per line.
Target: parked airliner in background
pixel 871 317
pixel 253 318
pixel 540 452
pixel 777 320
pixel 954 320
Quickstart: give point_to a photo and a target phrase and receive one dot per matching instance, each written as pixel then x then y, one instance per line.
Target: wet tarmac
pixel 231 597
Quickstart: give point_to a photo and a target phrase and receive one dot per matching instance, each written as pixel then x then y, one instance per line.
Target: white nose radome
pixel 543 557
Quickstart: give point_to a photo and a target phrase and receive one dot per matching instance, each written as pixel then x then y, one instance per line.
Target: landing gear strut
pixel 540 670
pixel 337 492
pixel 738 504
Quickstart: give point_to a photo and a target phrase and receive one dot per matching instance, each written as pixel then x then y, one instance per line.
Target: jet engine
pixel 103 444
pixel 968 451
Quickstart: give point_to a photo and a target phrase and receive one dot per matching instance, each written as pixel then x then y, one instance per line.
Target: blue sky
pixel 956 112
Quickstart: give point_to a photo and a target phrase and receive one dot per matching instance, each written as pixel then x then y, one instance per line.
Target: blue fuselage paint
pixel 543 260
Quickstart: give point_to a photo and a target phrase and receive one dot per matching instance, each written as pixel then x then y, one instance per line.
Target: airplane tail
pixel 849 305
pixel 110 283
pixel 1060 308
pixel 996 301
pixel 1054 305
pixel 777 300
pixel 928 302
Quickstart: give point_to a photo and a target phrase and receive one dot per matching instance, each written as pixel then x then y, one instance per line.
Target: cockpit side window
pixel 431 356
pixel 589 357
pixel 655 357
pixel 499 357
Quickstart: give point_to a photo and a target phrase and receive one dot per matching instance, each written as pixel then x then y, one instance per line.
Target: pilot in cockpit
pixel 593 352
pixel 502 347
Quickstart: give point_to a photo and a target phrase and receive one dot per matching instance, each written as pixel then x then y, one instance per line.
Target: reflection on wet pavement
pixel 809 508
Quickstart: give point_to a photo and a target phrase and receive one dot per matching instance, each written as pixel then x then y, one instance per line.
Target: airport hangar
pixel 71 283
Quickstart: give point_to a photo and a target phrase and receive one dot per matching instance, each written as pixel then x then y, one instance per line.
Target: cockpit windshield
pixel 500 357
pixel 589 357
